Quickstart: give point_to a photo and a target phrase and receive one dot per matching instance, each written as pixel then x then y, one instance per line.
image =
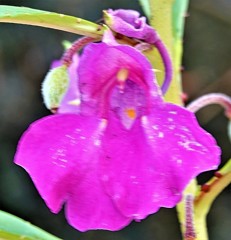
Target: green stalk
pixel 28 16
pixel 168 19
pixel 205 200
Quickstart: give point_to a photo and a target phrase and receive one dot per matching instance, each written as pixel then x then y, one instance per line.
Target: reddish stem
pixel 212 98
pixel 75 47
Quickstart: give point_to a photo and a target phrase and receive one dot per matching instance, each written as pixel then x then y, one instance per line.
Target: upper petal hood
pixel 98 72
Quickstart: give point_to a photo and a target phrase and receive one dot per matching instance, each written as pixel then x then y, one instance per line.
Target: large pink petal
pixel 175 132
pixel 130 170
pixel 147 167
pixel 88 207
pixel 61 155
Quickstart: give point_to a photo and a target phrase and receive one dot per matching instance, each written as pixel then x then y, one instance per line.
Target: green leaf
pixel 14 228
pixel 146 7
pixel 9 236
pixel 28 16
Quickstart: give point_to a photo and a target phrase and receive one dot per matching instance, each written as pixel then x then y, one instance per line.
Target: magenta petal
pixel 148 167
pixel 186 148
pixel 120 57
pixel 129 170
pixel 56 63
pixel 95 81
pixel 50 150
pixel 89 207
pixel 61 155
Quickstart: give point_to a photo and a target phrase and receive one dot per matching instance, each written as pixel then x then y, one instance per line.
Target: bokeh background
pixel 25 55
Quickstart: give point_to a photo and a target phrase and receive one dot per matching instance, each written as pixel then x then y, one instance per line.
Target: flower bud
pixel 130 24
pixel 54 87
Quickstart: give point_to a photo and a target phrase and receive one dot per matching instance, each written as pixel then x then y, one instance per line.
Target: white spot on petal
pixel 155 127
pixel 97 142
pixel 160 134
pixel 173 112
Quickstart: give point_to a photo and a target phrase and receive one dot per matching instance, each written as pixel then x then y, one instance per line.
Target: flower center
pixel 127 99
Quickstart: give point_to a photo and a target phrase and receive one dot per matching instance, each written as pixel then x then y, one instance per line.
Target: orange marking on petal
pixel 131 113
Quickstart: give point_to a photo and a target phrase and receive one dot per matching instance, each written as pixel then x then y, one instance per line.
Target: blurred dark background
pixel 25 55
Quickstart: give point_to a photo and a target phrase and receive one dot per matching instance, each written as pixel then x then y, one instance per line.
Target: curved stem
pixel 213 98
pixel 75 47
pixel 167 65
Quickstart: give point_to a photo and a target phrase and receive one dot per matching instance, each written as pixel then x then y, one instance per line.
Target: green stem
pixel 168 20
pixel 201 228
pixel 164 27
pixel 214 187
pixel 181 207
pixel 204 201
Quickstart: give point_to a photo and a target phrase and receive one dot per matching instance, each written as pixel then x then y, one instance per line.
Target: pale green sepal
pixel 54 87
pixel 146 7
pixel 29 16
pixel 14 228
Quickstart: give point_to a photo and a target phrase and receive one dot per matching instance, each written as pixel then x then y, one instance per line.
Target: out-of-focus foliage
pixel 25 56
pixel 14 228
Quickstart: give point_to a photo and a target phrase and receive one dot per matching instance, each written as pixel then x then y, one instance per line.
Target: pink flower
pixel 124 154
